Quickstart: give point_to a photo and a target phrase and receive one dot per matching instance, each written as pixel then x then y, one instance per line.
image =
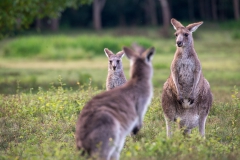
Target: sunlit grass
pixel 42 126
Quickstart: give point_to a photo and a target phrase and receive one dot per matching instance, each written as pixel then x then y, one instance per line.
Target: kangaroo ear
pixel 108 52
pixel 176 24
pixel 149 53
pixel 194 26
pixel 120 54
pixel 138 48
pixel 129 53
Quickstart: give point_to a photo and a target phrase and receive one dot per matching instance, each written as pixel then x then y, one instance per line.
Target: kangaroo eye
pixel 118 61
pixel 176 34
pixel 185 34
pixel 110 62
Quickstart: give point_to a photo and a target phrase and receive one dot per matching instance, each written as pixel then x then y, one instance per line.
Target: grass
pixel 43 89
pixel 42 126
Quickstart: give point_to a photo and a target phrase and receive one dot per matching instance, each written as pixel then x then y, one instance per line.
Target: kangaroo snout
pixel 179 43
pixel 114 68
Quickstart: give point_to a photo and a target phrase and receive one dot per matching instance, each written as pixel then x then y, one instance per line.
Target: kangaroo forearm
pixel 175 81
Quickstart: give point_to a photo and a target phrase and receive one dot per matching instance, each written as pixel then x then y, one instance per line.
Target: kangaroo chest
pixel 115 80
pixel 185 70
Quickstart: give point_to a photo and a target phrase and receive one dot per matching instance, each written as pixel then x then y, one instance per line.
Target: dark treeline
pixel 17 15
pixel 115 13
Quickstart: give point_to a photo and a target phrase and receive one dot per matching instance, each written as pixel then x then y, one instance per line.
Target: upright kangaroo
pixel 115 75
pixel 186 95
pixel 109 117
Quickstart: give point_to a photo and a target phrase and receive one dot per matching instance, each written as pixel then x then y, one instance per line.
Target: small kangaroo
pixel 109 117
pixel 115 75
pixel 186 95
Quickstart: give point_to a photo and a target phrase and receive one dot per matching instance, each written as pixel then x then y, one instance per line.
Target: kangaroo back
pixel 109 117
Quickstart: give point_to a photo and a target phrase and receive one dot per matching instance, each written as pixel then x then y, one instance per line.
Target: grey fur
pixel 186 96
pixel 115 75
pixel 109 117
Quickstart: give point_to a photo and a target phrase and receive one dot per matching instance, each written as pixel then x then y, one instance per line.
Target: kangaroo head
pixel 184 34
pixel 138 48
pixel 140 63
pixel 114 61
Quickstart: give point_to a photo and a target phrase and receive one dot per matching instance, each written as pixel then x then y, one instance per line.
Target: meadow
pixel 45 80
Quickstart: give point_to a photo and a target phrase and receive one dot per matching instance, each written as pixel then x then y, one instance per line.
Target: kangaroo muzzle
pixel 179 43
pixel 179 40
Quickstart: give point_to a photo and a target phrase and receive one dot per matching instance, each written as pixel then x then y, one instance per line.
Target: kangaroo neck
pixel 186 51
pixel 115 72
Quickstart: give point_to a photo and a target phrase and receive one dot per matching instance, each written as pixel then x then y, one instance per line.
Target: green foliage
pixel 19 14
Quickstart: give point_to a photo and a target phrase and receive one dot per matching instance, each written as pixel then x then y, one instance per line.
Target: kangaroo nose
pixel 179 43
pixel 114 67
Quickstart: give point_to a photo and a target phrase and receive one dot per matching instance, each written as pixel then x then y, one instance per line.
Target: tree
pixel 97 9
pixel 202 9
pixel 150 10
pixel 236 9
pixel 19 14
pixel 166 17
pixel 214 10
pixel 54 24
pixel 191 9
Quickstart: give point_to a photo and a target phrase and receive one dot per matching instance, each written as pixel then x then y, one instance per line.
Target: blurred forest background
pixel 44 39
pixel 98 14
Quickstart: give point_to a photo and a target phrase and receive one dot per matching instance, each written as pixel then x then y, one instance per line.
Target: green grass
pixel 45 80
pixel 42 126
pixel 64 47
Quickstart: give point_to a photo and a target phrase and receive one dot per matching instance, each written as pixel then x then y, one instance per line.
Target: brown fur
pixel 186 95
pixel 109 117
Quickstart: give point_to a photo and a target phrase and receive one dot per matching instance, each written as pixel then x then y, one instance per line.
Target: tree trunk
pixel 38 24
pixel 19 23
pixel 201 8
pixel 191 10
pixel 54 24
pixel 214 10
pixel 166 17
pixel 152 12
pixel 207 8
pixel 236 9
pixel 222 10
pixel 122 20
pixel 97 9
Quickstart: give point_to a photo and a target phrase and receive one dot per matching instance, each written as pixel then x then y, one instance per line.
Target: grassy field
pixel 45 80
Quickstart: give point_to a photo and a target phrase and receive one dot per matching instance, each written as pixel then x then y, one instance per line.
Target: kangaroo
pixel 115 75
pixel 109 117
pixel 186 95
